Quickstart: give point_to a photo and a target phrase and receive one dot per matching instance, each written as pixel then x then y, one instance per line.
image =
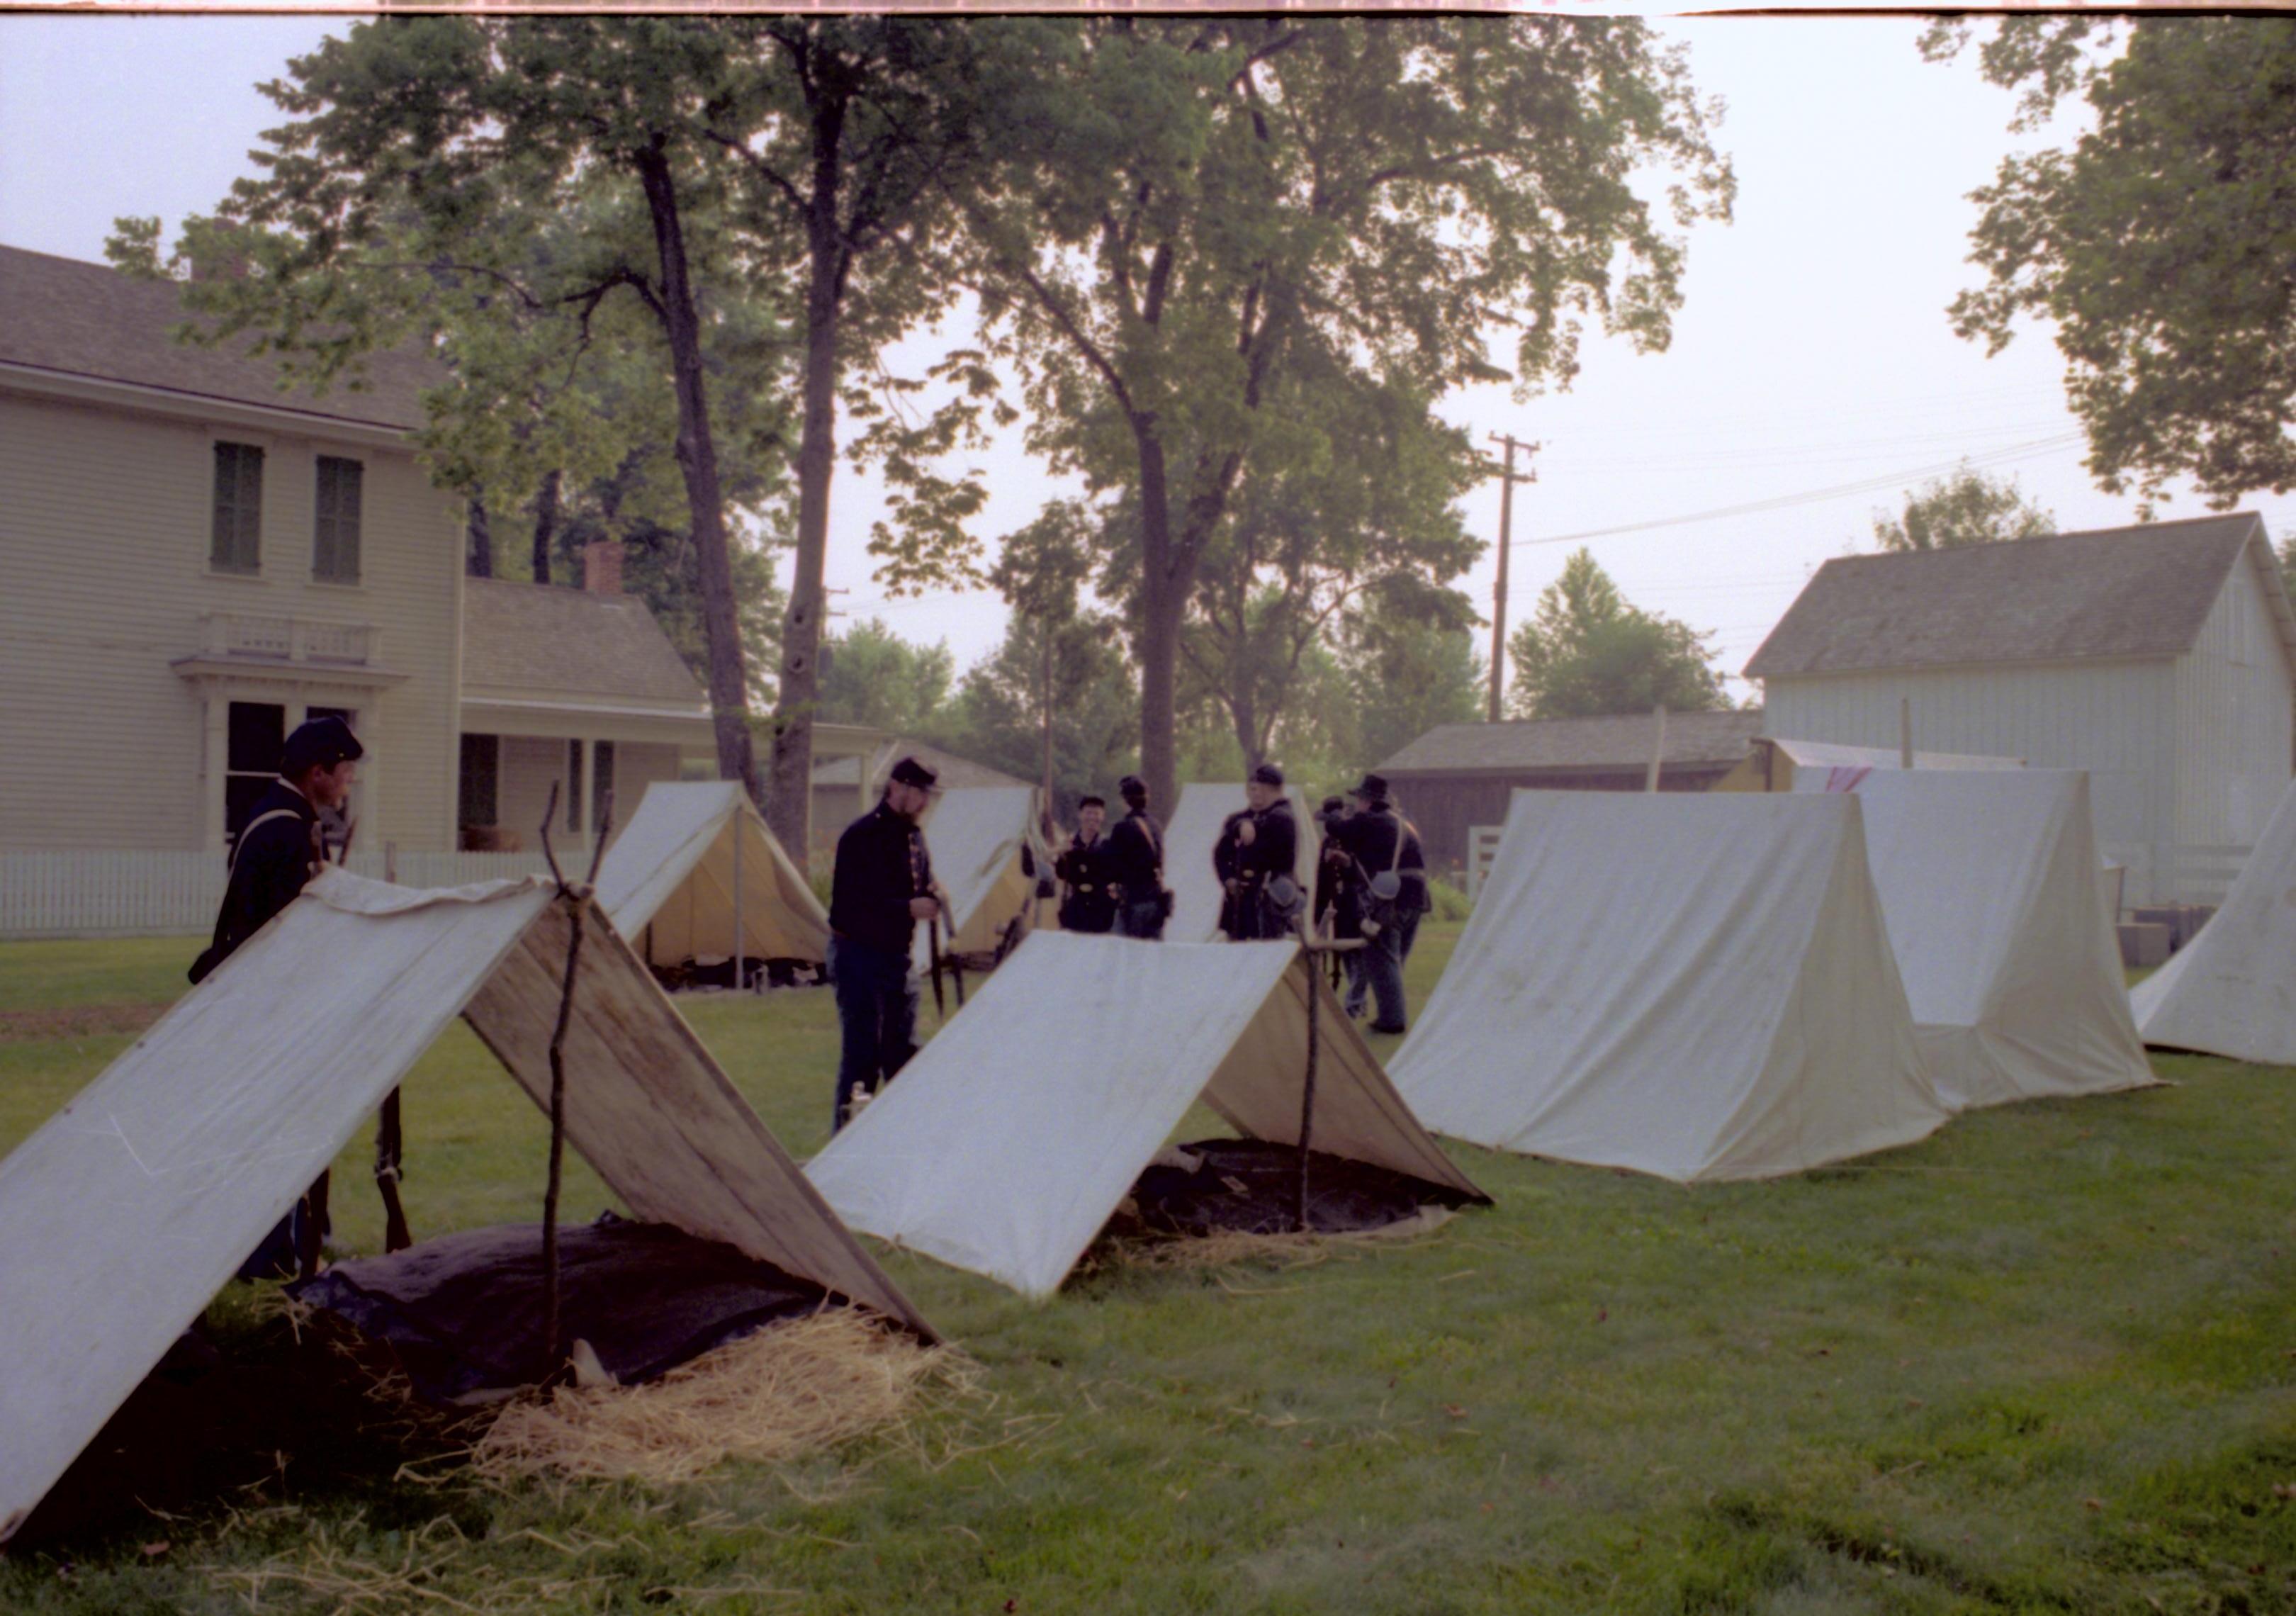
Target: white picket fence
pixel 1483 847
pixel 148 894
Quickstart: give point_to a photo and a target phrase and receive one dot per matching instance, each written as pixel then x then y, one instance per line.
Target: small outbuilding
pixel 1457 776
pixel 2160 658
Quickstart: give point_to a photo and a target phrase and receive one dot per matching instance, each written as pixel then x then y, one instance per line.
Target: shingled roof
pixel 79 319
pixel 1531 745
pixel 536 638
pixel 2116 592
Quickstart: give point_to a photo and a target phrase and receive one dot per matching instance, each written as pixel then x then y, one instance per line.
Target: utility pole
pixel 1507 539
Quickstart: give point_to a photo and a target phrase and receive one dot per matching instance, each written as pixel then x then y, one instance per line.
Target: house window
pixel 574 785
pixel 335 524
pixel 238 540
pixel 601 781
pixel 257 733
pixel 480 804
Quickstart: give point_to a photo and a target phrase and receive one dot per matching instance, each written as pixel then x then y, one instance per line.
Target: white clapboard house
pixel 2160 657
pixel 197 561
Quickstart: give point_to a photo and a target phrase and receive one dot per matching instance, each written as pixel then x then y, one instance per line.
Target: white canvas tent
pixel 132 1206
pixel 2231 989
pixel 1694 985
pixel 1189 839
pixel 975 835
pixel 670 878
pixel 1007 1142
pixel 1988 884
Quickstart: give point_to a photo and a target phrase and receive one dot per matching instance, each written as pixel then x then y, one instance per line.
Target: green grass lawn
pixel 2044 1361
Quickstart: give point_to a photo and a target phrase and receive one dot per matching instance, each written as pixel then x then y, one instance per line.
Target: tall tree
pixel 1588 652
pixel 2157 244
pixel 1187 200
pixel 1407 674
pixel 1352 492
pixel 1965 507
pixel 544 165
pixel 855 131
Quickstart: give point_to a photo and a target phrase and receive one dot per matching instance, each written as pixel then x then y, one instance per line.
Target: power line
pixel 1870 485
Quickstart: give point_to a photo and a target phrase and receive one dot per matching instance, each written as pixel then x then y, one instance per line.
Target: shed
pixel 2161 659
pixel 1459 776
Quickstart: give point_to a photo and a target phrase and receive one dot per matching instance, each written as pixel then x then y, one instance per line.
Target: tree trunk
pixel 479 551
pixel 1162 597
pixel 816 459
pixel 545 525
pixel 697 458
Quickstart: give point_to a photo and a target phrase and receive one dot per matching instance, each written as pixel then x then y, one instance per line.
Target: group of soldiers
pixel 1370 884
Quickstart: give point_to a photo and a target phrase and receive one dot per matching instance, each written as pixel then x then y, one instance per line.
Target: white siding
pixel 104 539
pixel 2233 721
pixel 2115 719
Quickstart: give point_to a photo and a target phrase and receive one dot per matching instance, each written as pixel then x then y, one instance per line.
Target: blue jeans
pixel 877 1010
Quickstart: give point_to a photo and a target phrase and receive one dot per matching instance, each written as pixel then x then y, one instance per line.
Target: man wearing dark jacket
pixel 1083 866
pixel 1135 851
pixel 881 886
pixel 1380 841
pixel 278 850
pixel 1255 846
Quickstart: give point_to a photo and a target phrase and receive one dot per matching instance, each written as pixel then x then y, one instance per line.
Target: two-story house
pixel 192 561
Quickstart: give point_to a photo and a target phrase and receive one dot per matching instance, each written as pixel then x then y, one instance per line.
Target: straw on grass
pixel 1226 1248
pixel 796 1389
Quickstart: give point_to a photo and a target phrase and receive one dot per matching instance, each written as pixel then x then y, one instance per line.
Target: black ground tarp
pixel 1251 1185
pixel 464 1312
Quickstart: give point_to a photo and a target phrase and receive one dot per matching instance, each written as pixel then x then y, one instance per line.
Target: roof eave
pixel 107 390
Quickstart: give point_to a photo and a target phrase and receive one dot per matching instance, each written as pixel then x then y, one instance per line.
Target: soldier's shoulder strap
pixel 252 826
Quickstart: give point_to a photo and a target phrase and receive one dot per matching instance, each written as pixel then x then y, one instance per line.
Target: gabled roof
pixel 2116 592
pixel 538 637
pixel 85 320
pixel 1527 745
pixel 954 771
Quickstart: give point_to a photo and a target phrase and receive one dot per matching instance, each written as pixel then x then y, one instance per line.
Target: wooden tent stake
pixel 577 902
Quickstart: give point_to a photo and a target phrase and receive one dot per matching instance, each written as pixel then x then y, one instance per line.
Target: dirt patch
pixel 76 1021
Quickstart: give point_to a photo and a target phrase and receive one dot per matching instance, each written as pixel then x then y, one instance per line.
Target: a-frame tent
pixel 670 876
pixel 977 836
pixel 2232 990
pixel 1189 839
pixel 1699 986
pixel 1989 884
pixel 124 1213
pixel 1006 1143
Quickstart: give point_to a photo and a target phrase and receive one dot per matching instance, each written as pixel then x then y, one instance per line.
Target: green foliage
pixel 2156 245
pixel 872 676
pixel 1202 217
pixel 1405 676
pixel 1587 651
pixel 999 714
pixel 1966 507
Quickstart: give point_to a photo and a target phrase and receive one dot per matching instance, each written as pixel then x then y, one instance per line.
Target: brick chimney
pixel 602 566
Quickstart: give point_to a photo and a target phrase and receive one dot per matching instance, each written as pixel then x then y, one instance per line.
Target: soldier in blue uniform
pixel 278 850
pixel 1083 867
pixel 1391 876
pixel 1255 846
pixel 1136 849
pixel 881 888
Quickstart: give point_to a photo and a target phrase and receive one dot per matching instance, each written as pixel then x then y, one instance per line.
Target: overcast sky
pixel 1812 355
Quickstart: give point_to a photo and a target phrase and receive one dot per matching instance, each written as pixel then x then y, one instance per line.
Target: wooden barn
pixel 2162 659
pixel 1457 776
